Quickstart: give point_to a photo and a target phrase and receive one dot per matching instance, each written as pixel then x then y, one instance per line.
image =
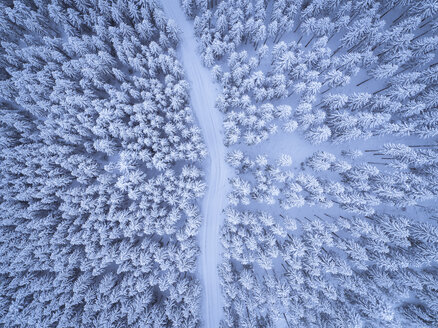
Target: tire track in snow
pixel 203 95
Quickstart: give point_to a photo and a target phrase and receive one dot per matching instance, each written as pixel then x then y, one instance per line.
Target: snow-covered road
pixel 203 94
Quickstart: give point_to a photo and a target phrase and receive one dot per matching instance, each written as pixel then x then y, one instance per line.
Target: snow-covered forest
pixel 99 168
pixel 219 163
pixel 330 117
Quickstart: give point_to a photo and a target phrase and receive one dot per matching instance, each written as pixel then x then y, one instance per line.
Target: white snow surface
pixel 203 94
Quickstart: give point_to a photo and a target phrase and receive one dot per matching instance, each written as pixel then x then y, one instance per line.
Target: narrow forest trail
pixel 203 94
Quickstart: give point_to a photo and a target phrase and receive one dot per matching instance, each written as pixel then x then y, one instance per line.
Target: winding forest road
pixel 203 94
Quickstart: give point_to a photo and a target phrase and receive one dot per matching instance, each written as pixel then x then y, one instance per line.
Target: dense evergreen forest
pixel 98 168
pixel 330 115
pixel 329 112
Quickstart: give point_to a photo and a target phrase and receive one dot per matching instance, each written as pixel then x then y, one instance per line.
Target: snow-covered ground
pixel 203 94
